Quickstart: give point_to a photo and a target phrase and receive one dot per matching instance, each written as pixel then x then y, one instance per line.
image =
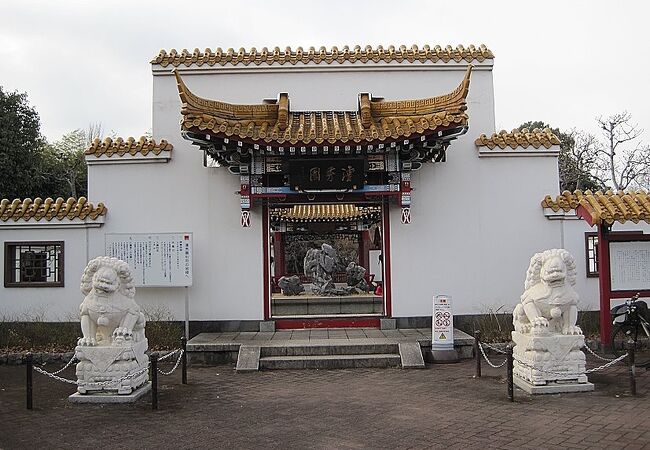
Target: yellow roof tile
pixel 607 207
pixel 324 213
pixel 375 120
pixel 121 147
pixel 49 209
pixel 322 55
pixel 519 138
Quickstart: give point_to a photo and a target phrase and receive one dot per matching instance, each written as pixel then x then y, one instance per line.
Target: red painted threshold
pixel 288 324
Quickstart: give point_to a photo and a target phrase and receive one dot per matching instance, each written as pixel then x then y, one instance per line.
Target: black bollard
pixel 29 360
pixel 509 363
pixel 477 352
pixel 154 382
pixel 184 360
pixel 630 358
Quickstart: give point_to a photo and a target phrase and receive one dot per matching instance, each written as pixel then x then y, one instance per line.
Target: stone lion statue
pixel 109 313
pixel 549 302
pixel 112 352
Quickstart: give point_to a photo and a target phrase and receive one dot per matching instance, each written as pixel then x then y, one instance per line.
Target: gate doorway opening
pixel 326 260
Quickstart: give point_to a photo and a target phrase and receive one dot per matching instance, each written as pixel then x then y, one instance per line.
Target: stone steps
pixel 343 348
pixel 333 355
pixel 343 361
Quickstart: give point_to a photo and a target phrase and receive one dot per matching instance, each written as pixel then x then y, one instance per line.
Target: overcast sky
pixel 563 62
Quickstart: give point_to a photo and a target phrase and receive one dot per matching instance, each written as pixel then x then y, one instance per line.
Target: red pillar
pixel 604 281
pixel 364 250
pixel 278 255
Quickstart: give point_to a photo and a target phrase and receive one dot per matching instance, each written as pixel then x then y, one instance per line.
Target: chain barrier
pixel 493 348
pixel 66 366
pixel 161 358
pixel 53 376
pixel 598 356
pixel 97 383
pixel 530 365
pixel 178 361
pixel 480 346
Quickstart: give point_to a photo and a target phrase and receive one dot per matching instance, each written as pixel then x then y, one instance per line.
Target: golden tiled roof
pixel 322 55
pixel 608 207
pixel 49 209
pixel 120 147
pixel 519 138
pixel 324 213
pixel 375 120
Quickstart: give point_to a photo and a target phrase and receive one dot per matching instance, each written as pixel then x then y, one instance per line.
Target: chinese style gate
pixel 325 177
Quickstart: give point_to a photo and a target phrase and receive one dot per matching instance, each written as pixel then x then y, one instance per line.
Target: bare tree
pixel 623 161
pixel 579 159
pixel 94 131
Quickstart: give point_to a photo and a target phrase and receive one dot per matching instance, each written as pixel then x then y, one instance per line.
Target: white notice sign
pixel 163 259
pixel 442 323
pixel 629 264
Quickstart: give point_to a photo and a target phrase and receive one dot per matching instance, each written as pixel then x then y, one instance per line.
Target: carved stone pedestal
pixel 103 368
pixel 550 363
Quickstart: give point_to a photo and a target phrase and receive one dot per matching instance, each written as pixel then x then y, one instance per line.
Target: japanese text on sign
pixel 163 259
pixel 442 323
pixel 630 265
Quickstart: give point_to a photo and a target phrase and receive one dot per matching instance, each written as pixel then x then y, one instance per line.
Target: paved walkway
pixel 440 407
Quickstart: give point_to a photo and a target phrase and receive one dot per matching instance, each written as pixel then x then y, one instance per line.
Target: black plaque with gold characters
pixel 326 174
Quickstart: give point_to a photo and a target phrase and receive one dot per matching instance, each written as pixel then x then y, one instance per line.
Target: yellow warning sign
pixel 442 337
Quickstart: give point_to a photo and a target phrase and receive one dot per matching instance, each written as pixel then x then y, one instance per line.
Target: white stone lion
pixel 109 314
pixel 549 302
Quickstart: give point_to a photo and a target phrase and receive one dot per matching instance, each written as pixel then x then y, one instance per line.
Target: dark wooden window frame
pixel 590 236
pixel 10 249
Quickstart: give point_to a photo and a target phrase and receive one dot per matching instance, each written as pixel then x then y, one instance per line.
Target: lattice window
pixel 591 248
pixel 33 264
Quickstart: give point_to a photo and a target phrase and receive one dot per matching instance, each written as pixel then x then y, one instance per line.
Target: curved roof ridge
pixel 374 120
pixel 219 57
pixel 519 138
pixel 608 206
pixel 120 147
pixel 48 209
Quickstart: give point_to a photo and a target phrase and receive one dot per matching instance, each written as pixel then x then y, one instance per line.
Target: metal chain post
pixel 154 382
pixel 184 360
pixel 29 363
pixel 630 351
pixel 477 352
pixel 509 365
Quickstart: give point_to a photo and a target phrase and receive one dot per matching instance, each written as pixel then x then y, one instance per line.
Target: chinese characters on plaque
pixel 317 174
pixel 163 259
pixel 630 265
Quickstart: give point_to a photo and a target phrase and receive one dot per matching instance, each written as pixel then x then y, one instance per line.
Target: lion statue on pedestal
pixel 111 352
pixel 549 302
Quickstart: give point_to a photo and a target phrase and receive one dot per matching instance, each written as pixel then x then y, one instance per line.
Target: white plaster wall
pixel 47 303
pixel 183 196
pixel 475 225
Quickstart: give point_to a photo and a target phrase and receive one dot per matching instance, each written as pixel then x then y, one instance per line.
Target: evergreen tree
pixel 21 147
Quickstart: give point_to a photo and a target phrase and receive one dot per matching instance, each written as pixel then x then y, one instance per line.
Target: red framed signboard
pixel 624 269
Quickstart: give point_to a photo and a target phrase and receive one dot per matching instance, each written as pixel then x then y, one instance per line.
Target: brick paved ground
pixel 440 407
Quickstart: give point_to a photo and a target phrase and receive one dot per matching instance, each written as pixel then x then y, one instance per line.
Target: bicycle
pixel 631 321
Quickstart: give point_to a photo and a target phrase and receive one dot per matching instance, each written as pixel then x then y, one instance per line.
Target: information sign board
pixel 442 323
pixel 156 260
pixel 629 264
